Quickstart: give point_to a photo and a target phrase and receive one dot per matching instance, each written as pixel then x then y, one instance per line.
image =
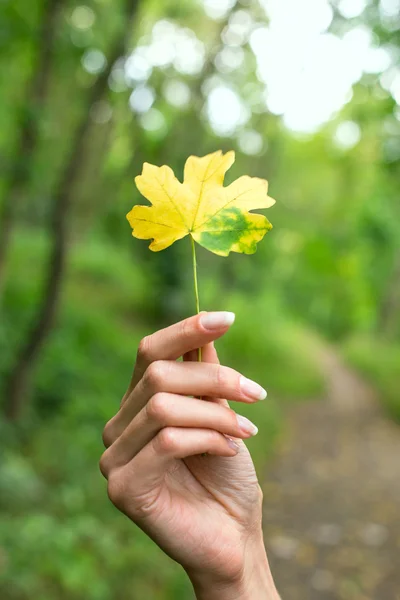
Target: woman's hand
pixel 177 466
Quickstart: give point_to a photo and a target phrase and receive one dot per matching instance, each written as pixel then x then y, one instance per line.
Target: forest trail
pixel 332 496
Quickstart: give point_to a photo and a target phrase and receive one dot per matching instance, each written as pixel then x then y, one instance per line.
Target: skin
pixel 203 510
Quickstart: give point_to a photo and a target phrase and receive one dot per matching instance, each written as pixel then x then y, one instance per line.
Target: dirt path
pixel 332 496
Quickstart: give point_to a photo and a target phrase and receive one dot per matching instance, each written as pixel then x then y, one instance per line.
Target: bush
pixel 379 363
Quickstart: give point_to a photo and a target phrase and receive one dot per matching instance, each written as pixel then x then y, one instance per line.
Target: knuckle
pixel 156 407
pixel 186 328
pixel 108 434
pixel 212 440
pixel 167 440
pixel 232 417
pixel 104 464
pixel 222 378
pixel 214 437
pixel 229 379
pixel 144 350
pixel 155 375
pixel 116 491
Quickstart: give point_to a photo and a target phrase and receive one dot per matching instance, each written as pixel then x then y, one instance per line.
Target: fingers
pixel 178 339
pixel 171 410
pixel 208 355
pixel 140 478
pixel 187 379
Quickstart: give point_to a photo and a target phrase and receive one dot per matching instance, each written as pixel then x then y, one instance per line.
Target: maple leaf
pixel 216 217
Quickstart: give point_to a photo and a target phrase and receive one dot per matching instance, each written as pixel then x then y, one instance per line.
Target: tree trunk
pixel 19 381
pixel 36 94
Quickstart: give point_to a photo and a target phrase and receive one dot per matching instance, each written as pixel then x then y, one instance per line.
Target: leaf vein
pixel 227 204
pixel 156 223
pixel 173 203
pixel 203 180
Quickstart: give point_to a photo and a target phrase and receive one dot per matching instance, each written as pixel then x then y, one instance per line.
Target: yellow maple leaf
pixel 216 217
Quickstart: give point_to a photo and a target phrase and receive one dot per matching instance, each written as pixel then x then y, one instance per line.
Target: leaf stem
pixel 196 288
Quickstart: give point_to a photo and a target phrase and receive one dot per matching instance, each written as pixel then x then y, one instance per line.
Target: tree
pixel 18 383
pixel 29 119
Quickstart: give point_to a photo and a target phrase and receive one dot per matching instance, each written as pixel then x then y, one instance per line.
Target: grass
pixel 379 363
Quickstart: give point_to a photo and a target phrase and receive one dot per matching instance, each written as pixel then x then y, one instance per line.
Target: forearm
pixel 254 583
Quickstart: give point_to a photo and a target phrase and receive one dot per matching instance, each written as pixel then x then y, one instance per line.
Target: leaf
pixel 217 217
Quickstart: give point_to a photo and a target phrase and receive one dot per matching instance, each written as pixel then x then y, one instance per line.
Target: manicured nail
pixel 217 320
pixel 246 425
pixel 252 389
pixel 232 444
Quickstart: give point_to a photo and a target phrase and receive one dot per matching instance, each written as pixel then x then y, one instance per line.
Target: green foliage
pixel 331 265
pixel 71 543
pixel 278 353
pixel 379 363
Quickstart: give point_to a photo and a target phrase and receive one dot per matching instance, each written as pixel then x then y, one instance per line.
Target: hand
pixel 177 466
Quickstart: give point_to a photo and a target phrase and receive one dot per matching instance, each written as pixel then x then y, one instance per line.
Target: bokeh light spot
pixel 229 59
pixel 225 110
pixel 350 9
pixel 250 142
pixel 176 93
pixel 217 9
pixel 94 61
pixel 141 99
pixel 137 68
pixel 82 17
pixel 347 135
pixel 153 121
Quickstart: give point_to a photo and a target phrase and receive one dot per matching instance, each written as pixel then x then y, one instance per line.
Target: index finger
pixel 178 339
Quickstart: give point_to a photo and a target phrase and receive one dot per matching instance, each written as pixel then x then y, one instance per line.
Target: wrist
pixel 253 582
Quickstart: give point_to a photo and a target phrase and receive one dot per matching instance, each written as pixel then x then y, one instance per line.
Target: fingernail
pixel 246 425
pixel 217 320
pixel 232 444
pixel 252 389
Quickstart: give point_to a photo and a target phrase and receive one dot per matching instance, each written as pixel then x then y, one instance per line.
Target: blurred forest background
pixel 89 91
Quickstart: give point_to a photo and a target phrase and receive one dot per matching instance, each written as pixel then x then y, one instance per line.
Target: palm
pixel 202 500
